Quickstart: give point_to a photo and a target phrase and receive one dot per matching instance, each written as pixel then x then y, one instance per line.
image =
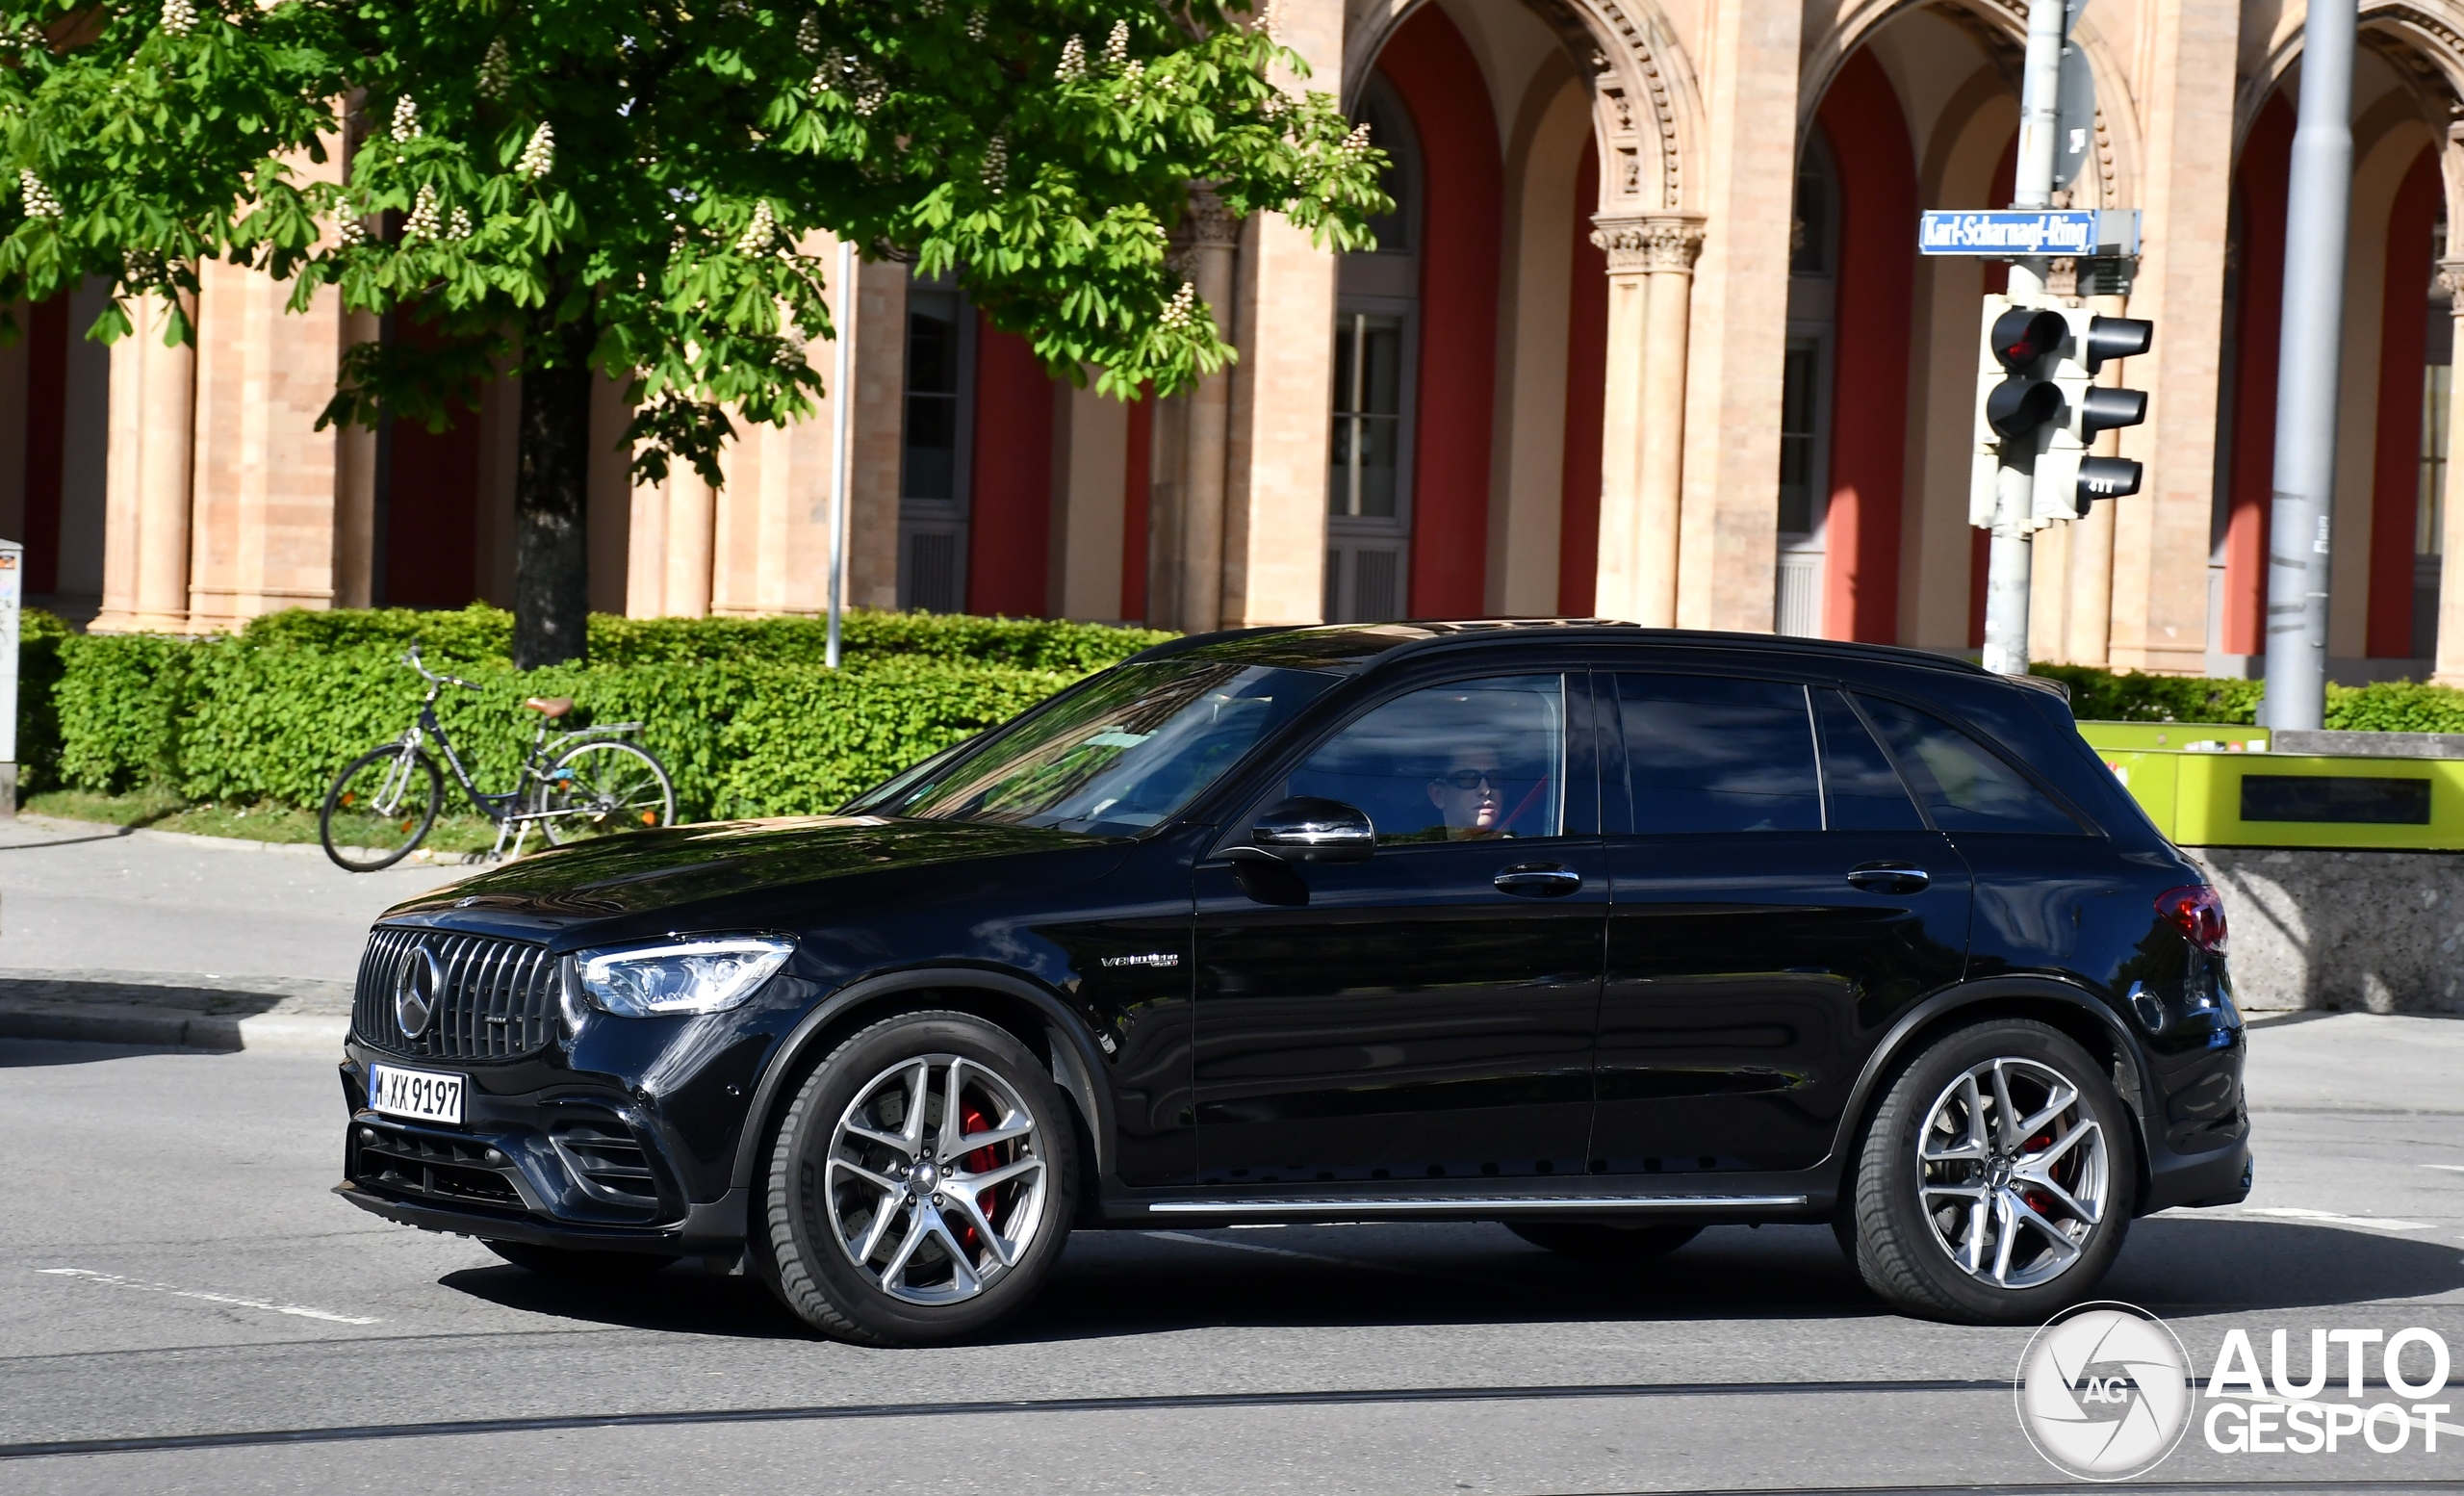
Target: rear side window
pixel 1709 755
pixel 1965 785
pixel 1862 788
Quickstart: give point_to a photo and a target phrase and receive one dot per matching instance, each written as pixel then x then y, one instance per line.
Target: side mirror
pixel 1306 829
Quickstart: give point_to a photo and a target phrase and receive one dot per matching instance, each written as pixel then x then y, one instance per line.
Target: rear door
pixel 1776 897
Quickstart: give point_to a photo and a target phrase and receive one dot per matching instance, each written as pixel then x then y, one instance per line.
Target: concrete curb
pixel 171 1028
pixel 233 843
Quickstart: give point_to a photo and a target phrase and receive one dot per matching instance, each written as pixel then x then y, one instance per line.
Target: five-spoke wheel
pixel 1994 1183
pixel 920 1183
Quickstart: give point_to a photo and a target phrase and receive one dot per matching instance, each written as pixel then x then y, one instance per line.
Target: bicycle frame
pixel 502 809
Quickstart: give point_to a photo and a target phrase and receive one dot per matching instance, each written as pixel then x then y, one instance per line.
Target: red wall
pixel 2394 484
pixel 432 514
pixel 1137 494
pixel 1461 220
pixel 1587 396
pixel 47 415
pixel 2267 165
pixel 1010 534
pixel 1877 286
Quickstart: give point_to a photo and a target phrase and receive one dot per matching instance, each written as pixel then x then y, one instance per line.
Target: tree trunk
pixel 551 506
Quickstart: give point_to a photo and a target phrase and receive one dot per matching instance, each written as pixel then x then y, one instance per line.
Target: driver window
pixel 1468 761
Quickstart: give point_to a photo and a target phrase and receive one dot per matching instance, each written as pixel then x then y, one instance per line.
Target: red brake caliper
pixel 971 1118
pixel 2038 1200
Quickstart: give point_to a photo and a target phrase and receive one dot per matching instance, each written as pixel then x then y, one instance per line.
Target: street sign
pixel 2008 233
pixel 2074 117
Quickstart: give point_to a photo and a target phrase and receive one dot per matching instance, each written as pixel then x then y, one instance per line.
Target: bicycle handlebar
pixel 411 658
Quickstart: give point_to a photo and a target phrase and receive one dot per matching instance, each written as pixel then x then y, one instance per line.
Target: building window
pixel 1369 416
pixel 1369 471
pixel 935 450
pixel 2429 508
pixel 1805 395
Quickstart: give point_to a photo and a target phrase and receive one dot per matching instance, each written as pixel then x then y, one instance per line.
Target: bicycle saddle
pixel 553 705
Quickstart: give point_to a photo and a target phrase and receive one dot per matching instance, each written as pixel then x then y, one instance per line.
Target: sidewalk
pixel 126 937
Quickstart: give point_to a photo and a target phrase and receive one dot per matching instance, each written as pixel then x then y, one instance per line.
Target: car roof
pixel 1351 648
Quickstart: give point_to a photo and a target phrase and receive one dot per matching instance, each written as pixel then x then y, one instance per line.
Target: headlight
pixel 697 974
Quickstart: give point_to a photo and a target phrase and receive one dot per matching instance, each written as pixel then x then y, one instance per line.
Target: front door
pixel 1426 1014
pixel 1778 899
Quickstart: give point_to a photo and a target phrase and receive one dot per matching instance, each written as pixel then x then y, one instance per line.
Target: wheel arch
pixel 2061 1005
pixel 1033 1013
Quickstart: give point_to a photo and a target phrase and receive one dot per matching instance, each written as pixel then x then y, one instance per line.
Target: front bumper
pixel 713 1229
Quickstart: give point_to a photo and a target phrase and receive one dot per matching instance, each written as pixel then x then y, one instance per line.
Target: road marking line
pixel 2331 1218
pixel 89 1275
pixel 2449 1168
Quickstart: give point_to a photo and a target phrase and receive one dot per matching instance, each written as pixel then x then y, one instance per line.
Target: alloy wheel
pixel 2013 1173
pixel 936 1180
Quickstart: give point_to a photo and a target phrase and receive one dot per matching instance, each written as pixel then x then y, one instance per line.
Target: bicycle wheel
pixel 380 808
pixel 600 789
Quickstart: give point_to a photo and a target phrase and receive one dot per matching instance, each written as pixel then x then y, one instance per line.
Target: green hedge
pixel 743 713
pixel 2384 706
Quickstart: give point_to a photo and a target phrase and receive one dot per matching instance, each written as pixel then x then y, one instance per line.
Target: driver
pixel 1471 794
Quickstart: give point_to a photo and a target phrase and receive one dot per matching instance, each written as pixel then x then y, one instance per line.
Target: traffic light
pixel 2038 407
pixel 2067 479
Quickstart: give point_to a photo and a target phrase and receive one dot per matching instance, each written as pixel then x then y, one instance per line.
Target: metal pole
pixel 2308 371
pixel 13 581
pixel 2011 557
pixel 842 409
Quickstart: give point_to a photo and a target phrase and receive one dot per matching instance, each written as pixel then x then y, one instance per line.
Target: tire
pixel 600 789
pixel 380 808
pixel 1597 1241
pixel 864 1239
pixel 2060 1192
pixel 580 1266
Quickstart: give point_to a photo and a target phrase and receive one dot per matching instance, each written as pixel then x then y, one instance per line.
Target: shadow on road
pixel 1139 1283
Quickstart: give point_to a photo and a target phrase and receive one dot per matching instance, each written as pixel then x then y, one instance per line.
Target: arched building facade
pixel 1646 337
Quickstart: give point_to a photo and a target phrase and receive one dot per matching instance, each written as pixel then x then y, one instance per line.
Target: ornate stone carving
pixel 2451 282
pixel 1206 223
pixel 1642 246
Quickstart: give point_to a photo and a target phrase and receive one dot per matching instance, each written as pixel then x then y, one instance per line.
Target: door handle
pixel 1539 880
pixel 1888 877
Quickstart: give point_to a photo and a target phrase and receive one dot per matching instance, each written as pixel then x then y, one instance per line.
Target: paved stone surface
pixel 181 940
pixel 172 1265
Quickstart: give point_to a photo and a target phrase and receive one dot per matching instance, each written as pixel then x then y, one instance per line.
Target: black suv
pixel 1603 932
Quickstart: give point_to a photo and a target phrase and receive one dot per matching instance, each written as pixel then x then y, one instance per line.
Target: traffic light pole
pixel 2308 371
pixel 2012 556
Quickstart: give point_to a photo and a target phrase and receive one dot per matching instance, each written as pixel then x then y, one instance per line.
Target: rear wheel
pixel 920 1184
pixel 380 808
pixel 571 1263
pixel 1597 1241
pixel 600 789
pixel 1996 1182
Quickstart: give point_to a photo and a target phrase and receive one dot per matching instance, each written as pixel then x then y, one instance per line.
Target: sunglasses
pixel 1471 778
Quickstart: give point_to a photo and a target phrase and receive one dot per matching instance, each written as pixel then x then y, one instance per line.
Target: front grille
pixel 499 999
pixel 608 1164
pixel 441 1168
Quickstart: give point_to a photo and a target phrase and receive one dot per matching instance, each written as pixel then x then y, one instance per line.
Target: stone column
pixel 146 547
pixel 1196 563
pixel 2159 613
pixel 1651 284
pixel 2449 669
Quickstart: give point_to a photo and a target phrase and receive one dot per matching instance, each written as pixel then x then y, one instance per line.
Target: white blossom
pixel 997 164
pixel 459 226
pixel 539 156
pixel 140 267
pixel 1354 145
pixel 1182 309
pixel 1073 61
pixel 40 203
pixel 348 232
pixel 1270 20
pixel 1116 46
pixel 407 119
pixel 495 70
pixel 808 34
pixel 977 23
pixel 423 225
pixel 758 233
pixel 870 91
pixel 179 18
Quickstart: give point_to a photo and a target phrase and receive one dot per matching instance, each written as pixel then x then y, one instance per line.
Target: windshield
pixel 1127 752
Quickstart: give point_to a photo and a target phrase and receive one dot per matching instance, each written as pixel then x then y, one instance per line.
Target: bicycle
pixel 582 784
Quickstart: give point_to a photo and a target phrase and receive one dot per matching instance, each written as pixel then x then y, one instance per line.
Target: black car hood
pixel 646 872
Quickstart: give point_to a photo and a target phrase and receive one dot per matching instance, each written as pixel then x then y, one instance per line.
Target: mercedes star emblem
pixel 417 988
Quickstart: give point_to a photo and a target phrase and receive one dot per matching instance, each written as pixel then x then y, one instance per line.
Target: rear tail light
pixel 2198 914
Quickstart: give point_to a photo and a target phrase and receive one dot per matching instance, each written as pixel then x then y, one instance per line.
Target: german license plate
pixel 423 1095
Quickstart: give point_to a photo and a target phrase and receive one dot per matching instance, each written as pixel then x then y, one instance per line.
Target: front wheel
pixel 1996 1180
pixel 380 808
pixel 600 789
pixel 920 1183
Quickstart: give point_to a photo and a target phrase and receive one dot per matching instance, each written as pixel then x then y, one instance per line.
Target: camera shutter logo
pixel 418 989
pixel 2103 1391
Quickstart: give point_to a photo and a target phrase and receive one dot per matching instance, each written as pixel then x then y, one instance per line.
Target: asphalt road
pixel 174 1277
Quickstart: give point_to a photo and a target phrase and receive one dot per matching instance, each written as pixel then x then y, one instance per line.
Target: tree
pixel 554 187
